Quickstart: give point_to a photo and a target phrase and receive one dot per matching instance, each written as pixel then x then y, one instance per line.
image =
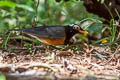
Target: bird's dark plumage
pixel 51 32
pixel 53 35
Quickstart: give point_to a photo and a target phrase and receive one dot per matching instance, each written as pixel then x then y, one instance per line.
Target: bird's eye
pixel 77 27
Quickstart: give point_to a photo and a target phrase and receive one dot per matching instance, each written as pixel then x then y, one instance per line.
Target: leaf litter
pixel 88 62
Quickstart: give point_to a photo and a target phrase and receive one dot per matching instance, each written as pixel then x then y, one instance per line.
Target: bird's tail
pixel 13 30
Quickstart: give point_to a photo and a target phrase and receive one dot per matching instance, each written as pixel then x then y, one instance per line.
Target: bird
pixel 54 35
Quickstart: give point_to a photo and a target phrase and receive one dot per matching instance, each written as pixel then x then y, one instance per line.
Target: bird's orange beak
pixel 83 31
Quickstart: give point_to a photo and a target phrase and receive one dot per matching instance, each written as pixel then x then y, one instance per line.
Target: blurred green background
pixel 20 14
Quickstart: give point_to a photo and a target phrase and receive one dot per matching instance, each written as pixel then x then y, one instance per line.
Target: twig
pixel 35 17
pixel 116 51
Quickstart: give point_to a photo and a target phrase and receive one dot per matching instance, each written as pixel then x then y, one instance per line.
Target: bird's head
pixel 78 29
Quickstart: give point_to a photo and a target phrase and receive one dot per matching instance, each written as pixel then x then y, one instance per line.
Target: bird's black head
pixel 77 29
pixel 71 30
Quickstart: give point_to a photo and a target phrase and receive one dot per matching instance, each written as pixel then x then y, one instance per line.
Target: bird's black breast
pixel 48 32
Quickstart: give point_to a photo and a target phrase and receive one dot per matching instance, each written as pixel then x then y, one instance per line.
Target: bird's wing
pixel 49 32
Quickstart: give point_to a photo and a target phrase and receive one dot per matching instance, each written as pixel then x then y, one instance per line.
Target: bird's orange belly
pixel 52 42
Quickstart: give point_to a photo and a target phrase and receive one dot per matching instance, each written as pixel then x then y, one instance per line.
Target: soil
pixel 44 62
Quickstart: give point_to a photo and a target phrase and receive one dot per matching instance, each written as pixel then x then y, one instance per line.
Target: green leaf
pixel 6 41
pixel 95 28
pixel 2 77
pixel 25 7
pixel 102 1
pixel 7 4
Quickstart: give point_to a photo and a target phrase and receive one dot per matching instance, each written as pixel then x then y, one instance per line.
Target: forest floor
pixel 87 62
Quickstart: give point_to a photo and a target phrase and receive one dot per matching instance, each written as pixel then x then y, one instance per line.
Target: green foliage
pixel 4 44
pixel 7 4
pixel 92 25
pixel 15 14
pixel 2 77
pixel 113 30
pixel 20 14
pixel 101 1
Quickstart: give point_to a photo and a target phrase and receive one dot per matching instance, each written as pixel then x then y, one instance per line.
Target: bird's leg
pixel 54 47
